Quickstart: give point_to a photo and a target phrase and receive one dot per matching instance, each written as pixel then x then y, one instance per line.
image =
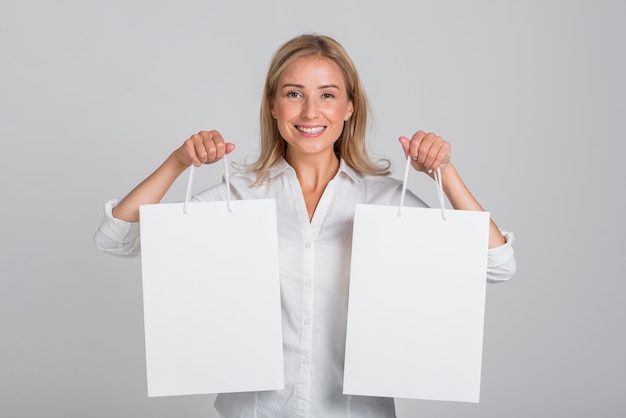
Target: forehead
pixel 312 69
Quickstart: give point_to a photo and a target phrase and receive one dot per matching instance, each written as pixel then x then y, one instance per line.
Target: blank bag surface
pixel 211 297
pixel 416 304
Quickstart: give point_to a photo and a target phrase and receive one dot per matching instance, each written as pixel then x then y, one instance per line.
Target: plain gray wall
pixel 95 94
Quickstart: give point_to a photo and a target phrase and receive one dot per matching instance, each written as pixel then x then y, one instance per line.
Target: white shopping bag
pixel 211 297
pixel 416 304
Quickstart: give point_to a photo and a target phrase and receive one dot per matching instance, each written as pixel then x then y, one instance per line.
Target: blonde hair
pixel 351 144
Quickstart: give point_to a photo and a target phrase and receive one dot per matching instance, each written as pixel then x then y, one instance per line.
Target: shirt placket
pixel 306 339
pixel 304 382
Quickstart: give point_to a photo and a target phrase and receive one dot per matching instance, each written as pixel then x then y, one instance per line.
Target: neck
pixel 314 172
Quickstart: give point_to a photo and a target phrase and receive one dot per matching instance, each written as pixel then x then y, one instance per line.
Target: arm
pixel 201 148
pixel 461 198
pixel 430 152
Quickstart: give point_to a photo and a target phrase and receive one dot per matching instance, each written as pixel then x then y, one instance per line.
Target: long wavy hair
pixel 351 144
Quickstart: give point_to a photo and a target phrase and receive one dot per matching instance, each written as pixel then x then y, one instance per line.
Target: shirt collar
pixel 281 165
pixel 349 171
pixel 278 167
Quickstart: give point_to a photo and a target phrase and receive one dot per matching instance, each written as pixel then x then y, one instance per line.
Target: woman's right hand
pixel 201 148
pixel 205 147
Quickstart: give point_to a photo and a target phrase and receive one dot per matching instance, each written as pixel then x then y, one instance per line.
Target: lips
pixel 313 130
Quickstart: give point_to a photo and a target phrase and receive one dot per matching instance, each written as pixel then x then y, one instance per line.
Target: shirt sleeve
pixel 501 264
pixel 115 236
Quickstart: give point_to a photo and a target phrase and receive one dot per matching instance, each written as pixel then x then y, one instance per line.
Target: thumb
pixel 406 143
pixel 229 148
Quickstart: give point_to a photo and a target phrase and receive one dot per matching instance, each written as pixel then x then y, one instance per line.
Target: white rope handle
pixel 189 183
pixel 406 177
pixel 440 192
pixel 439 188
pixel 227 179
pixel 192 168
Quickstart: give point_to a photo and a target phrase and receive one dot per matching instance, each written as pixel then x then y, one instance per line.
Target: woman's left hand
pixel 427 150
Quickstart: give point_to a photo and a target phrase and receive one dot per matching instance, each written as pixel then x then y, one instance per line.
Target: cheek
pixel 338 113
pixel 282 117
pixel 282 113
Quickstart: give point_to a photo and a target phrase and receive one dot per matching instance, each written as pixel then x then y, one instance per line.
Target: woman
pixel 313 161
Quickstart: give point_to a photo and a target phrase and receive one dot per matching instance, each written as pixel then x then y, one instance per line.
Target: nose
pixel 310 108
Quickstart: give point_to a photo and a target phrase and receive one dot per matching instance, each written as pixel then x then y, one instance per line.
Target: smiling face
pixel 311 105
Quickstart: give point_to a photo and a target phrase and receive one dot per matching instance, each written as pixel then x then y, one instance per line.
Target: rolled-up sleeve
pixel 115 236
pixel 501 260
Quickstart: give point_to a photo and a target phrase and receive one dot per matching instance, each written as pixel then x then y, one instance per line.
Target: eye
pixel 293 94
pixel 327 95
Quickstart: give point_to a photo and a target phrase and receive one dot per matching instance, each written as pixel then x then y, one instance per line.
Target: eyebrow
pixel 300 86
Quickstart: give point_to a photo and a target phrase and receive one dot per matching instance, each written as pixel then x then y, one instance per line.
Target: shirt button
pixel 307 284
pixel 307 322
pixel 305 361
pixel 307 244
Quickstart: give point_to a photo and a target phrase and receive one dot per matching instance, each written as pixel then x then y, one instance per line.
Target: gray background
pixel 95 94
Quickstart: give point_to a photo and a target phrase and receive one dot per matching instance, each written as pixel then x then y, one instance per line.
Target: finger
pixel 200 146
pixel 406 144
pixel 429 149
pixel 190 153
pixel 215 146
pixel 205 145
pixel 416 141
pixel 442 157
pixel 424 148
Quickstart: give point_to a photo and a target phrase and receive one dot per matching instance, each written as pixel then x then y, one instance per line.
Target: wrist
pixel 175 164
pixel 448 171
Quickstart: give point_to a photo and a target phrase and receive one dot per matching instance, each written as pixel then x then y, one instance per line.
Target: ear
pixel 272 110
pixel 349 111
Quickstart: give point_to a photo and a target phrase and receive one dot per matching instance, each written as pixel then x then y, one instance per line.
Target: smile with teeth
pixel 311 130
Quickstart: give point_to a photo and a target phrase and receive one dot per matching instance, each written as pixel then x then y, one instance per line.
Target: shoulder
pixel 386 190
pixel 367 188
pixel 369 180
pixel 239 182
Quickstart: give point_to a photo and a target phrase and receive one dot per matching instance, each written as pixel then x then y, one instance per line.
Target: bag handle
pixel 439 188
pixel 190 182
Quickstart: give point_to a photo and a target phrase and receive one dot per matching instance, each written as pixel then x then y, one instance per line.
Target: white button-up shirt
pixel 314 259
